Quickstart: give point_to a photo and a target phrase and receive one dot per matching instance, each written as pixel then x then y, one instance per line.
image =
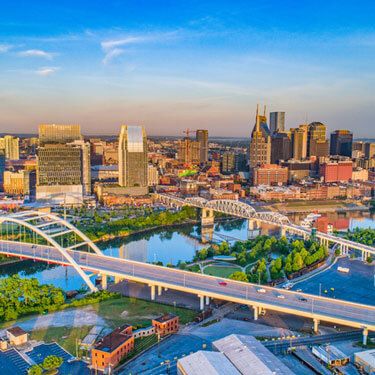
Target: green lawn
pixel 138 312
pixel 65 336
pixel 116 312
pixel 221 271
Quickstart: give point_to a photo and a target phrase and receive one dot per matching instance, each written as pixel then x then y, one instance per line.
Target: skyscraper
pixel 277 122
pixel 299 142
pixel 11 147
pixel 317 142
pixel 260 143
pixel 188 151
pixel 2 167
pixel 133 159
pixel 281 147
pixel 202 138
pixel 341 143
pixel 63 170
pixel 57 133
pixel 228 162
pixel 59 174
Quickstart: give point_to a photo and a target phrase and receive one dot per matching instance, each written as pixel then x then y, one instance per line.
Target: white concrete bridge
pixel 48 238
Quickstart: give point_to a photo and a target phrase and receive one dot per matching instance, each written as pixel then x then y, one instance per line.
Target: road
pixel 301 304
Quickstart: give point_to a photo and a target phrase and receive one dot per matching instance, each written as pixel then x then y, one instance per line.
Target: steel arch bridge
pixel 47 229
pixel 227 206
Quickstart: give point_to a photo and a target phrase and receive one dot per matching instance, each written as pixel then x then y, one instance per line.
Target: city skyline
pixel 203 65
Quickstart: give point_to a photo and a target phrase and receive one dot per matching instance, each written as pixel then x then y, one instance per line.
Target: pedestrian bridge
pixel 246 211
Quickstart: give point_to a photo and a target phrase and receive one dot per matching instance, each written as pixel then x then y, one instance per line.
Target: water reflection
pixel 170 246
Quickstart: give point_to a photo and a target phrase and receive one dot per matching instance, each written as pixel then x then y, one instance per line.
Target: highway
pixel 301 304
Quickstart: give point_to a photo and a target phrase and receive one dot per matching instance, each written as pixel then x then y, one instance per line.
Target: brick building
pixel 166 324
pixel 270 174
pixel 111 349
pixel 340 171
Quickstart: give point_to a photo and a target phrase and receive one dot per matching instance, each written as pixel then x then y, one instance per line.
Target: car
pixel 281 296
pixel 303 299
pixel 223 283
pixel 299 290
pixel 261 290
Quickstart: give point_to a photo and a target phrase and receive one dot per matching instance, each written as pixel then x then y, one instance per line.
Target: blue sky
pixel 174 64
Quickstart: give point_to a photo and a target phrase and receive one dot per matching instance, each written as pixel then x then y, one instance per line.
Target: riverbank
pixel 321 206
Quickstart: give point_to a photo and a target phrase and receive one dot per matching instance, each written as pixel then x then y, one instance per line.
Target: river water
pixel 168 246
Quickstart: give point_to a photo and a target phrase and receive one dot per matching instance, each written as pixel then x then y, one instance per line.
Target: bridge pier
pixel 207 233
pixel 201 302
pixel 159 290
pixel 152 289
pixel 316 325
pixel 117 279
pixel 282 232
pixel 104 281
pixel 253 228
pixel 364 336
pixel 256 312
pixel 207 300
pixel 208 217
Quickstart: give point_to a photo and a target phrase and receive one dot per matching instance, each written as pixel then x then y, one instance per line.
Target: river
pixel 168 246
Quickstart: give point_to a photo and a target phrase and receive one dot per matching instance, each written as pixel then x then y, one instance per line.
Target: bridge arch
pixel 40 224
pixel 274 217
pixel 232 207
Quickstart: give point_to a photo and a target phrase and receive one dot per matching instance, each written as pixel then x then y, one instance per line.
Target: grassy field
pixel 220 271
pixel 65 336
pixel 116 312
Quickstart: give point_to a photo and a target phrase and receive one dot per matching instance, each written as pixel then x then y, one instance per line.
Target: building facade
pixel 277 122
pixel 260 143
pixel 132 154
pixel 281 147
pixel 299 142
pixel 317 142
pixel 270 174
pixel 202 138
pixel 341 143
pixel 11 147
pixel 58 133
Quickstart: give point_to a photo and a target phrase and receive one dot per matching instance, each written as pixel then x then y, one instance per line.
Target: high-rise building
pixel 188 151
pixel 299 142
pixel 369 150
pixel 11 147
pixel 317 142
pixel 240 162
pixel 59 174
pixel 228 162
pixel 63 171
pixel 277 122
pixel 281 147
pixel 260 143
pixel 2 167
pixel 202 138
pixel 85 164
pixel 56 133
pixel 132 154
pixel 341 143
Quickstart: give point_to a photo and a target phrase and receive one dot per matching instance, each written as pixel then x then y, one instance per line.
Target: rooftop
pixel 113 340
pixel 16 331
pixel 209 363
pixel 164 318
pixel 249 356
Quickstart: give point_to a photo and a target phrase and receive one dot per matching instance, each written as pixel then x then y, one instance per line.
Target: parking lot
pixel 357 285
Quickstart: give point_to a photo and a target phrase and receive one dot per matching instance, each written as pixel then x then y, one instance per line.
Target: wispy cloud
pixel 111 54
pixel 116 46
pixel 5 48
pixel 47 71
pixel 36 53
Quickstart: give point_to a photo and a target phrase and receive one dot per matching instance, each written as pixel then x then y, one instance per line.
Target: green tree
pixel 239 276
pixel 52 362
pixel 35 370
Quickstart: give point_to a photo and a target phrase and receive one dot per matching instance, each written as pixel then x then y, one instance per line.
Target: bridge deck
pixel 321 308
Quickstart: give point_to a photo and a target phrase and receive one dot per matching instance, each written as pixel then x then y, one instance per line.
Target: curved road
pixel 301 304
